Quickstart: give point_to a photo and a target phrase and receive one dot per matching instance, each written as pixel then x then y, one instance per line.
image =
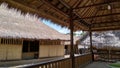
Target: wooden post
pixel 71 37
pixel 91 48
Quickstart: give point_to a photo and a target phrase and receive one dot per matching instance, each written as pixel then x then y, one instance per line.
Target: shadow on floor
pixel 97 65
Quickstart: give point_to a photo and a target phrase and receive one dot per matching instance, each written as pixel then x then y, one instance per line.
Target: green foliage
pixel 115 65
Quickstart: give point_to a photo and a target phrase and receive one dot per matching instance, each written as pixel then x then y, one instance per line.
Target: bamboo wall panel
pixel 10 52
pixel 3 49
pixel 60 50
pixel 43 50
pixel 14 52
pixel 51 50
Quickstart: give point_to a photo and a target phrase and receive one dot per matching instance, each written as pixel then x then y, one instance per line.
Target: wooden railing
pixel 61 63
pixel 82 60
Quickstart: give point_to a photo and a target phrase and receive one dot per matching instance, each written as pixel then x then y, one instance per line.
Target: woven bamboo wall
pixel 14 52
pixel 9 50
pixel 51 51
pixel 43 51
pixel 3 52
pixel 60 50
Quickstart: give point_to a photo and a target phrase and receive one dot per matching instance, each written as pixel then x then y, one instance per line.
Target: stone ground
pixel 97 65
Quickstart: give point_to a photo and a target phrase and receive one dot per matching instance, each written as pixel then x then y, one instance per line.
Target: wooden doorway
pixel 30 49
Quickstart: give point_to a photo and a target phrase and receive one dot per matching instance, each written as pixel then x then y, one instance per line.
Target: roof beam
pixel 66 13
pixel 83 22
pixel 106 28
pixel 100 16
pixel 80 20
pixel 106 25
pixel 55 7
pixel 107 2
pixel 107 22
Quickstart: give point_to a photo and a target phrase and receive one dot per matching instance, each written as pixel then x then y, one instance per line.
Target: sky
pixel 58 27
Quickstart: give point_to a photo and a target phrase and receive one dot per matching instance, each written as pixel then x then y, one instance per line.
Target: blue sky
pixel 58 27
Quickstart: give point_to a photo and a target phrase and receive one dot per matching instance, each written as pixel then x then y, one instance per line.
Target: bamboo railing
pixel 62 63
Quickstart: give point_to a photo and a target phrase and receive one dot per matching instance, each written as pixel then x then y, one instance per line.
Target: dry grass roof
pixel 14 24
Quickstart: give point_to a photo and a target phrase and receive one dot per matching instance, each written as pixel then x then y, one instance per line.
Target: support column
pixel 71 41
pixel 91 48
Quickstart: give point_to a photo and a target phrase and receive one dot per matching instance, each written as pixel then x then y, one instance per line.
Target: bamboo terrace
pixel 86 15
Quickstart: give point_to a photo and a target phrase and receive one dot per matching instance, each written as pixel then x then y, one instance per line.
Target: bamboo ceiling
pixel 96 15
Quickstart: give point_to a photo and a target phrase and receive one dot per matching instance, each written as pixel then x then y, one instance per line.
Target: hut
pixel 23 36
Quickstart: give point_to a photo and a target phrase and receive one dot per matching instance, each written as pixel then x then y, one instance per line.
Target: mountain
pixel 117 33
pixel 102 39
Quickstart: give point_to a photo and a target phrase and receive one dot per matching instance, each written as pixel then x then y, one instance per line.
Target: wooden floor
pixel 97 65
pixel 25 62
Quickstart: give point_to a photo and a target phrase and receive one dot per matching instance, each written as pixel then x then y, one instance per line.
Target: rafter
pixel 113 8
pixel 80 1
pixel 55 7
pixel 80 20
pixel 67 13
pixel 107 22
pixel 99 16
pixel 112 1
pixel 106 28
pixel 106 25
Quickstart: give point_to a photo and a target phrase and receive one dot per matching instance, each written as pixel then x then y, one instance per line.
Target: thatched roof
pixel 14 24
pixel 87 14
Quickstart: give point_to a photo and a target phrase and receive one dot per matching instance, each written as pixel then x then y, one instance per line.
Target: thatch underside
pixel 96 15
